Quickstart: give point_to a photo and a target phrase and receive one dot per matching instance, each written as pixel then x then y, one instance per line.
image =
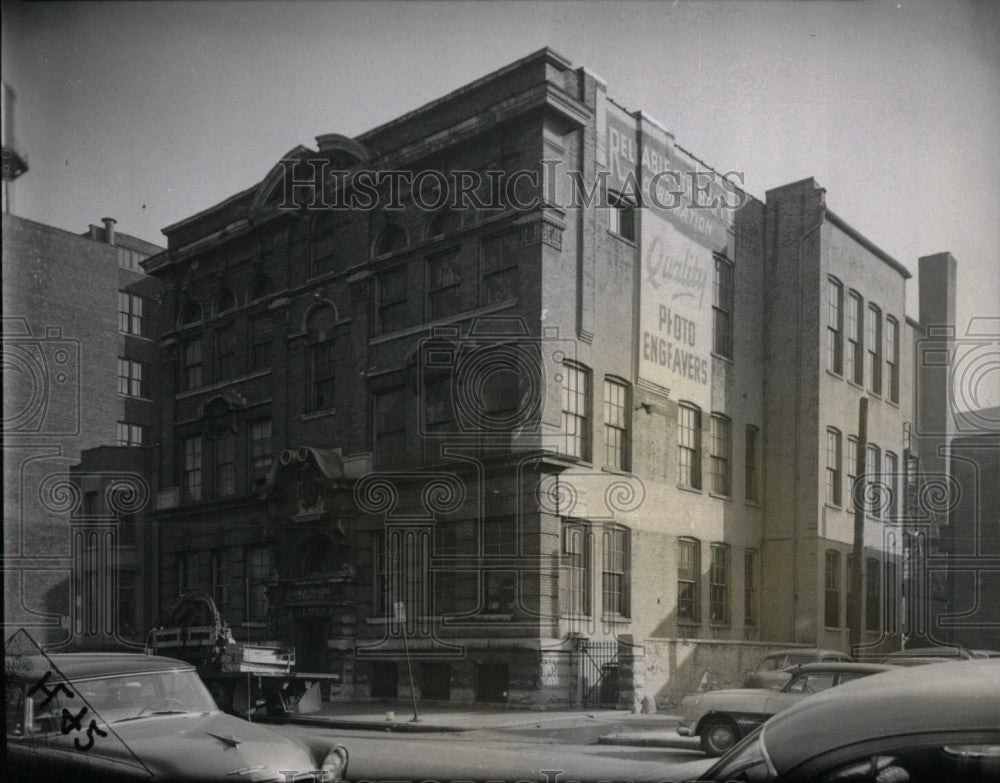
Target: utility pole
pixel 855 613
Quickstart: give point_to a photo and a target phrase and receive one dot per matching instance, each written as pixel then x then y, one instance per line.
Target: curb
pixel 367 725
pixel 647 741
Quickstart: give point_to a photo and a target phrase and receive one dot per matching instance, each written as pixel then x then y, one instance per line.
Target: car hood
pixel 205 746
pixel 732 699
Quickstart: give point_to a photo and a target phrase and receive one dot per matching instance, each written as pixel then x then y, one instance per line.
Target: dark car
pixel 775 668
pixel 930 723
pixel 121 716
pixel 721 717
pixel 918 656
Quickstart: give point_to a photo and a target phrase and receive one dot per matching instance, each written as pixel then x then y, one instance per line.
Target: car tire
pixel 718 735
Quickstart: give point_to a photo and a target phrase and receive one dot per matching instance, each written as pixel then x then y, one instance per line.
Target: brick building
pixel 79 366
pixel 563 450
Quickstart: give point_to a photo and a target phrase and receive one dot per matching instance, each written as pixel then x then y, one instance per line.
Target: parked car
pixel 933 723
pixel 775 669
pixel 121 716
pixel 918 656
pixel 721 717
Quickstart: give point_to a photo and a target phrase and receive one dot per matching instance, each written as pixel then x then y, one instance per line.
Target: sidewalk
pixel 641 730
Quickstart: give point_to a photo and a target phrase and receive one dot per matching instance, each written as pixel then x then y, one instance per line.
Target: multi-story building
pixel 79 370
pixel 554 404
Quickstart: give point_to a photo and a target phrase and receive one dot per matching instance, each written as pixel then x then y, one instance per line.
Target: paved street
pixel 563 748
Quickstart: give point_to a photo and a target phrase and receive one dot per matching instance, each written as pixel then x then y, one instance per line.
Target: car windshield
pixel 782 661
pixel 141 695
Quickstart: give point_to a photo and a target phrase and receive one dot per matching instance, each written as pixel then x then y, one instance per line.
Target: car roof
pixel 931 652
pixel 955 695
pixel 810 651
pixel 87 665
pixel 842 666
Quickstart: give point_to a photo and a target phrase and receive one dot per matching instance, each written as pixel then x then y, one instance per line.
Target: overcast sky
pixel 149 112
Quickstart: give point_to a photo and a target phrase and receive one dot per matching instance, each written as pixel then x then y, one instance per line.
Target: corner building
pixel 564 451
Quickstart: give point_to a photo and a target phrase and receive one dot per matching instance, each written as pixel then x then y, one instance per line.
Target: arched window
pixel 322 358
pixel 391 239
pixel 191 313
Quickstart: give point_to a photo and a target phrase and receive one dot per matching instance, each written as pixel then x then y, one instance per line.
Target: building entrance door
pixel 310 645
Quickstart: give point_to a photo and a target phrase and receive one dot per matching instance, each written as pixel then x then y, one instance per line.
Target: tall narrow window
pixel 873 594
pixel 258 569
pixel 225 464
pixel 261 332
pixel 750 587
pixel 892 358
pixel 718 589
pixel 688 580
pixel 576 411
pixel 499 586
pixel 322 358
pixel 575 584
pixel 187 571
pixel 752 455
pixel 689 446
pixel 874 349
pixel 721 449
pixel 833 463
pixel 889 608
pixel 392 299
pixel 890 483
pixel 131 319
pixel 218 577
pixel 855 354
pixel 126 602
pixel 835 325
pixel 261 452
pixel 873 477
pixel 500 270
pixel 191 364
pixel 324 251
pixel 852 469
pixel 722 308
pixel 615 577
pixel 191 468
pixel 444 286
pixel 390 427
pixel 616 424
pixel 831 613
pixel 225 352
pixel 131 378
pixel 621 216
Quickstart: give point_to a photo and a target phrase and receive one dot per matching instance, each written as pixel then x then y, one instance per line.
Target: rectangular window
pixel 621 216
pixel 873 595
pixel 390 427
pixel 688 580
pixel 131 434
pixel 574 598
pixel 689 446
pixel 392 299
pixel 849 561
pixel 131 378
pixel 127 529
pixel 892 358
pixel 616 424
pixel 575 411
pixel 889 609
pixel 439 407
pixel 225 464
pixel 499 586
pixel 218 577
pixel 855 355
pixel 444 286
pixel 721 449
pixel 90 504
pixel 873 477
pixel 130 314
pixel 833 467
pixel 191 364
pixel 852 469
pixel 324 252
pixel 831 613
pixel 225 352
pixel 722 308
pixel 260 447
pixel 874 349
pixel 500 271
pixel 322 371
pixel 891 485
pixel 835 326
pixel 718 587
pixel 191 468
pixel 261 333
pixel 750 587
pixel 752 455
pixel 187 571
pixel 615 571
pixel 258 574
